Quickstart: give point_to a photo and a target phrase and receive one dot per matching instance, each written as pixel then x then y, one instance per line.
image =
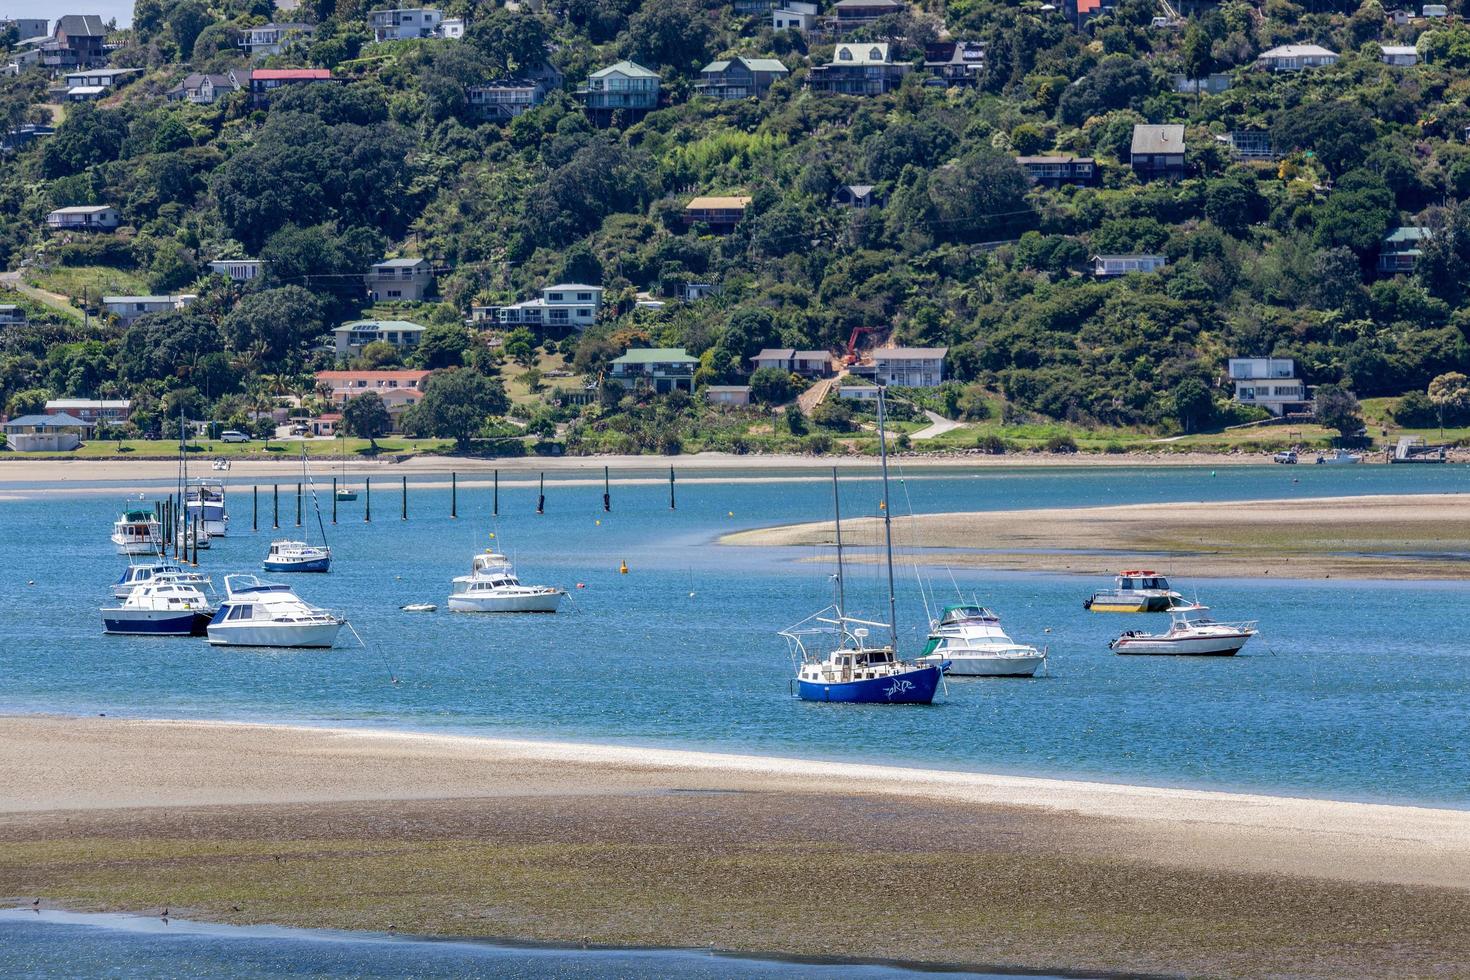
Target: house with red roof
pixel 264 81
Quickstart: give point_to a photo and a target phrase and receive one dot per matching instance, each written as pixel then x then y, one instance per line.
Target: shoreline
pixel 457 835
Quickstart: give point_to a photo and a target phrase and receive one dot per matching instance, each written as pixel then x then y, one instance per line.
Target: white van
pixel 233 435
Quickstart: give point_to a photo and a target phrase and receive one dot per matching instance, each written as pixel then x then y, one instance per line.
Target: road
pixel 938 426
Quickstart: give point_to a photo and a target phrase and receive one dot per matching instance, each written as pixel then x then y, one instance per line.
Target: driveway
pixel 938 426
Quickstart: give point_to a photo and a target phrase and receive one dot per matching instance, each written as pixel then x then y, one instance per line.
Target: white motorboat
pixel 136 575
pixel 1189 635
pixel 205 498
pixel 137 532
pixel 297 556
pixel 970 639
pixel 1135 592
pixel 264 614
pixel 164 606
pixel 1340 457
pixel 492 586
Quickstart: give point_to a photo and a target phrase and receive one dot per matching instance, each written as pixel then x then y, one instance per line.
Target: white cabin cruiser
pixel 137 532
pixel 1189 635
pixel 164 606
pixel 136 575
pixel 264 614
pixel 492 586
pixel 205 498
pixel 1339 457
pixel 970 638
pixel 297 556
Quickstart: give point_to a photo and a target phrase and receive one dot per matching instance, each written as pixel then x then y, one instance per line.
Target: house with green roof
pixel 351 338
pixel 1400 249
pixel 740 78
pixel 625 87
pixel 661 368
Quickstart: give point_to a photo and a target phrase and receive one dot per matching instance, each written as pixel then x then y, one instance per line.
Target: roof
pixel 1088 6
pixel 81 25
pixel 629 68
pixel 86 90
pixel 733 389
pixel 69 403
pixel 399 263
pixel 1168 138
pixel 753 64
pixel 1398 49
pixel 1127 255
pixel 196 79
pixel 775 354
pixel 713 203
pixel 49 421
pixel 807 355
pixel 859 190
pixel 858 54
pixel 371 375
pixel 141 299
pixel 859 4
pixel 572 286
pixel 954 53
pixel 399 325
pixel 910 353
pixel 1298 51
pixel 290 74
pixel 101 72
pixel 84 209
pixel 1054 159
pixel 655 355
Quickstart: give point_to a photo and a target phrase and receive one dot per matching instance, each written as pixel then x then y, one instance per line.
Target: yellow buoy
pixel 729 513
pixel 623 568
pixel 598 523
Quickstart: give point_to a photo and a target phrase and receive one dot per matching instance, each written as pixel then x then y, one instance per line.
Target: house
pixel 1054 171
pixel 12 315
pixel 807 363
pixel 24 55
pixel 46 433
pixel 564 305
pixel 94 410
pixel 264 81
pixel 400 279
pixel 26 27
pixel 1109 266
pixel 625 87
pixel 754 8
pixel 272 38
pixel 238 270
pixel 859 392
pixel 506 98
pixel 1296 57
pixel 859 197
pixel 740 78
pixel 727 396
pixel 1399 55
pixel 78 41
pixel 1157 151
pixel 85 93
pixel 402 24
pixel 1435 11
pixel 452 28
pixel 955 63
pixel 1400 249
pixel 1271 383
pixel 794 15
pixel 399 390
pixel 128 309
pixel 859 69
pixel 92 83
pixel 720 213
pixel 84 217
pixel 848 15
pixel 1250 144
pixel 693 292
pixel 1086 10
pixel 203 89
pixel 350 338
pixel 1212 84
pixel 1399 18
pixel 663 369
pixel 325 425
pixel 22 135
pixel 910 367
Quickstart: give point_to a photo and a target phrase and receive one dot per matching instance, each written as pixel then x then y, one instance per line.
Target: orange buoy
pixel 623 568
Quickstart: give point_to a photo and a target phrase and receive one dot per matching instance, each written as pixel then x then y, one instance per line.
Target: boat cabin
pixel 962 614
pixel 1142 581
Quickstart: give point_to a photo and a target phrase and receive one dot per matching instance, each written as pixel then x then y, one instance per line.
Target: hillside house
pixel 401 24
pixel 727 396
pixel 849 15
pixel 1249 144
pixel 794 15
pixel 859 197
pixel 1296 57
pixel 1435 11
pixel 400 279
pixel 46 433
pixel 399 390
pixel 859 69
pixel 1399 55
pixel 128 309
pixel 1401 248
pixel 662 369
pixel 807 363
pixel 1111 266
pixel 909 367
pixel 453 28
pixel 1212 84
pixel 84 217
pixel 112 410
pixel 270 39
pixel 238 270
pixel 1157 151
pixel 27 28
pixel 626 87
pixel 12 315
pixel 1269 383
pixel 955 63
pixel 720 213
pixel 1054 171
pixel 79 40
pixel 93 82
pixel 351 338
pixel 203 89
pixel 24 134
pixel 740 78
pixel 563 305
pixel 265 81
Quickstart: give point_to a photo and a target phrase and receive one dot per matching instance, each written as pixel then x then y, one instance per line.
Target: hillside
pixel 1278 208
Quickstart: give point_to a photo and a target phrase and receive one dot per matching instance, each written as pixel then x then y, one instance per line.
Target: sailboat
pixel 195 518
pixel 301 556
pixel 851 671
pixel 344 490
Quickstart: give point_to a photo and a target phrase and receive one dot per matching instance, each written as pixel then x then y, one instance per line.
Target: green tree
pixel 366 417
pixel 1451 391
pixel 770 386
pixel 443 345
pixel 520 346
pixel 31 401
pixel 1193 406
pixel 795 421
pixel 1338 409
pixel 278 322
pixel 456 404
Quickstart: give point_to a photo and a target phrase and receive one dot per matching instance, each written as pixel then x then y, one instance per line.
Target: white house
pixel 272 38
pixel 352 337
pixel 400 279
pixel 663 369
pixel 84 217
pixel 564 305
pixel 810 363
pixel 127 309
pixel 404 23
pixel 11 315
pixel 910 367
pixel 727 396
pixel 116 410
pixel 46 433
pixel 239 270
pixel 1399 55
pixel 1435 11
pixel 452 28
pixel 1107 266
pixel 794 15
pixel 1295 57
pixel 1271 383
pixel 858 392
pixel 85 85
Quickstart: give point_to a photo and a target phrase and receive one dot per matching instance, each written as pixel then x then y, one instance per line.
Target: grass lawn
pixel 255 449
pixel 96 280
pixel 519 394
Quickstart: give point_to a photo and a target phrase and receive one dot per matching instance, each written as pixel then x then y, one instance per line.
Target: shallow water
pixel 1354 689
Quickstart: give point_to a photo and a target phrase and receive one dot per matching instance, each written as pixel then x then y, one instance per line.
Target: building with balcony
pixel 1157 151
pixel 1270 383
pixel 84 217
pixel 92 83
pixel 1112 266
pixel 405 23
pixel 112 410
pixel 1054 171
pixel 625 88
pixel 408 280
pixel 663 369
pixel 955 63
pixel 720 213
pixel 79 40
pixel 859 69
pixel 264 82
pixel 910 367
pixel 238 270
pixel 399 390
pixel 1401 248
pixel 849 15
pixel 740 78
pixel 128 309
pixel 204 89
pixel 1296 57
pixel 351 338
pixel 271 38
pixel 564 305
pixel 807 363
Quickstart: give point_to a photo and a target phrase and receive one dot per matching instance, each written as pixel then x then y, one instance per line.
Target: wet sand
pixel 452 835
pixel 1409 536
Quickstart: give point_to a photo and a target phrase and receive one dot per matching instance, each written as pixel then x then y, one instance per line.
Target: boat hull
pixel 313 636
pixel 154 622
pixel 1143 604
pixel 322 564
pixel 910 687
pixel 136 547
pixel 1212 646
pixel 961 665
pixel 547 602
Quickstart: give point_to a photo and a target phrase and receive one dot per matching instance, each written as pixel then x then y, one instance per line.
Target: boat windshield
pixel 957 614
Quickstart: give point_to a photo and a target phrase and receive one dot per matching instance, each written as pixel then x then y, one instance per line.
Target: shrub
pixel 818 444
pixel 1061 444
pixel 992 444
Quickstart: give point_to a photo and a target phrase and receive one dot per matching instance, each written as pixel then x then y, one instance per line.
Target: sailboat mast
pixel 887 528
pixel 837 521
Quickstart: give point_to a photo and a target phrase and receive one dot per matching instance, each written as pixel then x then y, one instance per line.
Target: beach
pixel 463 836
pixel 1401 536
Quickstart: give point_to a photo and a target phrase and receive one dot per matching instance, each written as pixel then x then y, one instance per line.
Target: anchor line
pixel 381 656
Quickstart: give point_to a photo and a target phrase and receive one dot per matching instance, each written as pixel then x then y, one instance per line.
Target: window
pixel 844 55
pixel 584 297
pixel 875 55
pixel 395 293
pixel 585 314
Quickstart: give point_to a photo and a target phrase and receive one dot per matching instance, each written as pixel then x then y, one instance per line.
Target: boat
pixel 255 613
pixel 1339 457
pixel 164 606
pixel 297 556
pixel 492 586
pixel 419 607
pixel 1189 635
pixel 344 491
pixel 849 671
pixel 970 639
pixel 1137 591
pixel 221 465
pixel 204 497
pixel 136 575
pixel 137 532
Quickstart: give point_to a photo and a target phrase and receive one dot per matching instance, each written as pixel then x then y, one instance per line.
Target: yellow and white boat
pixel 1138 591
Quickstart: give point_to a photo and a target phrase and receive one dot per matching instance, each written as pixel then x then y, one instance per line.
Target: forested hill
pixel 1272 231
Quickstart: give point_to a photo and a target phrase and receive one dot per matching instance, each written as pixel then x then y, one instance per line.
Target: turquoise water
pixel 1354 690
pixel 63 944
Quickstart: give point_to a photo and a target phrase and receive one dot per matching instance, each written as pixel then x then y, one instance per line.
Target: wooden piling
pixel 453 496
pixel 606 493
pixel 367 499
pixel 403 516
pixel 671 488
pixel 298 505
pixel 255 507
pixel 541 496
pixel 275 505
pixel 334 500
pixel 495 511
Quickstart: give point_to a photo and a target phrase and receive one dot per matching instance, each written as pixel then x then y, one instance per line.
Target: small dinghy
pixel 419 607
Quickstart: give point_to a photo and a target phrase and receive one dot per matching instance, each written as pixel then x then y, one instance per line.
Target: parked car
pixel 234 435
pixel 298 430
pixel 1289 456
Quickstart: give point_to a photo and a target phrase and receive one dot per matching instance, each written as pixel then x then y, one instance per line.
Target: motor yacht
pixel 136 575
pixel 204 498
pixel 492 586
pixel 970 639
pixel 265 614
pixel 137 532
pixel 297 556
pixel 1189 635
pixel 1135 592
pixel 164 606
